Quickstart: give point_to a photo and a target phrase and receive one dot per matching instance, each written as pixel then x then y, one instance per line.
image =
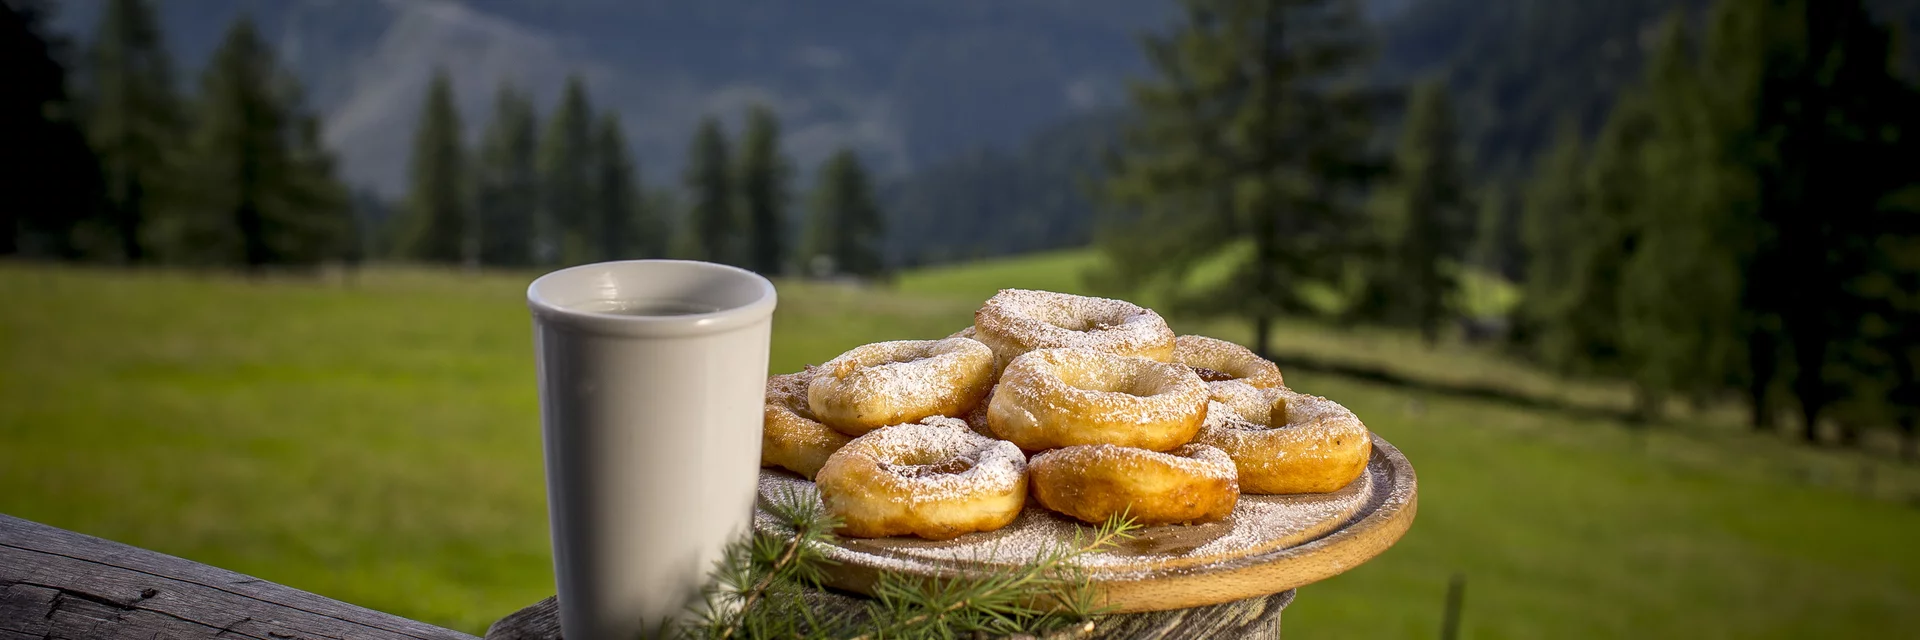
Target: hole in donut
pixel 1070 320
pixel 1127 382
pixel 1253 419
pixel 906 356
pixel 1277 414
pixel 944 467
pixel 885 358
pixel 1085 325
pixel 1210 375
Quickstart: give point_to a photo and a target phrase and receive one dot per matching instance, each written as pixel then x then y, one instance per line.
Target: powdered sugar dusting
pixel 923 454
pixel 907 374
pixel 1016 321
pixel 1222 416
pixel 1279 412
pixel 1196 459
pixel 1258 524
pixel 1231 360
pixel 789 391
pixel 1133 389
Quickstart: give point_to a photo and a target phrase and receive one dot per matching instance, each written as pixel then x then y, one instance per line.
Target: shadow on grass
pixel 1485 392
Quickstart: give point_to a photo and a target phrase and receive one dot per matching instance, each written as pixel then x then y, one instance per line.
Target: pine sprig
pixel 756 588
pixel 761 588
pixel 1048 594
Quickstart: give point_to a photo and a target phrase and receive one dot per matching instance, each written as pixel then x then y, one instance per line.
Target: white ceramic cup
pixel 652 375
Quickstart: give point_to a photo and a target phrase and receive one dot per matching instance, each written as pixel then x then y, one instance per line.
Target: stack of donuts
pixel 1092 407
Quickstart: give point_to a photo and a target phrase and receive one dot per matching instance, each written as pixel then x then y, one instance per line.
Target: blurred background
pixel 1634 284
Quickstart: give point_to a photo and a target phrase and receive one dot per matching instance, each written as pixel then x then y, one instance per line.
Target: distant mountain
pixel 907 82
pixel 991 202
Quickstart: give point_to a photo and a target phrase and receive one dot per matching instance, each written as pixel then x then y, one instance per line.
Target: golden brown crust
pixel 1016 321
pixel 1064 397
pixel 1194 483
pixel 935 479
pixel 1218 360
pixel 1286 442
pixel 789 436
pixel 898 382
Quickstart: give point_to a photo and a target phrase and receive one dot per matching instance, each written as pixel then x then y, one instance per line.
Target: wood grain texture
pixel 60 584
pixel 1251 619
pixel 1284 543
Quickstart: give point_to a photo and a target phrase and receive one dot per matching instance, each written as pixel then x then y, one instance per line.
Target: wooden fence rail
pixel 60 584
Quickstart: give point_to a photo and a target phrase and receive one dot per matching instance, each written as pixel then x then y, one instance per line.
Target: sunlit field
pixel 375 439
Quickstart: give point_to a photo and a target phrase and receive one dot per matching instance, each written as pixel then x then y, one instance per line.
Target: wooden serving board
pixel 1268 545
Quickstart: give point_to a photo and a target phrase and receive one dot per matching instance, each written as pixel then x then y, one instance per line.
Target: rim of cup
pixel 740 297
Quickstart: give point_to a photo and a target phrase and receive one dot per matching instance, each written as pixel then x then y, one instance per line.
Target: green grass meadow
pixel 376 440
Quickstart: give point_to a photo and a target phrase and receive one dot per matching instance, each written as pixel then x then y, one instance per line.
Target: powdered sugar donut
pixel 1218 361
pixel 1194 483
pixel 898 382
pixel 1286 442
pixel 1064 397
pixel 935 479
pixel 789 436
pixel 1016 321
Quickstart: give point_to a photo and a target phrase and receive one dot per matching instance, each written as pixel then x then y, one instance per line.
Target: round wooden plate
pixel 1268 545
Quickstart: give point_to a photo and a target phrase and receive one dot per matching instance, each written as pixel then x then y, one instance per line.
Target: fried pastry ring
pixel 1286 442
pixel 1218 361
pixel 1194 483
pixel 935 479
pixel 898 382
pixel 789 436
pixel 1064 397
pixel 1016 321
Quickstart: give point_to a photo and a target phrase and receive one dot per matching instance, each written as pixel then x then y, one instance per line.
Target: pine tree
pixel 1573 301
pixel 316 223
pixel 49 180
pixel 616 196
pixel 1555 202
pixel 665 211
pixel 844 225
pixel 711 221
pixel 566 179
pixel 507 196
pixel 1826 176
pixel 265 193
pixel 1606 234
pixel 1678 288
pixel 133 119
pixel 1425 217
pixel 763 191
pixel 1804 121
pixel 1734 66
pixel 1890 337
pixel 1888 350
pixel 439 226
pixel 1248 140
pixel 1496 241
